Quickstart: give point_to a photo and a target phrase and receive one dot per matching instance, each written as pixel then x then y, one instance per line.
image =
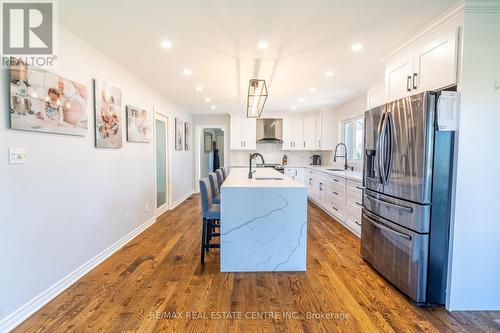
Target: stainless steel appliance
pixel 406 202
pixel 269 130
pixel 316 160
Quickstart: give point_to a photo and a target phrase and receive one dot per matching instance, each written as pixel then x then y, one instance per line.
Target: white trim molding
pixel 182 199
pixel 482 6
pixel 450 15
pixel 25 311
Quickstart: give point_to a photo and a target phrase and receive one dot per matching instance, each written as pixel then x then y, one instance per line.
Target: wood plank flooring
pixel 156 283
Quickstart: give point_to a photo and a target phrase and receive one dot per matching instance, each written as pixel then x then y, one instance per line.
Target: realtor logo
pixel 27 28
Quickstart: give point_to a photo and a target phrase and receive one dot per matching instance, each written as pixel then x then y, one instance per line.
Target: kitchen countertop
pixel 348 174
pixel 239 178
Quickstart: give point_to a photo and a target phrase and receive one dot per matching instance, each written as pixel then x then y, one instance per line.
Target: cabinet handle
pixel 359 188
pixel 357 203
pixel 335 208
pixel 304 144
pixel 415 80
pixel 321 186
pixel 335 193
pixel 335 180
pixel 319 143
pixel 408 83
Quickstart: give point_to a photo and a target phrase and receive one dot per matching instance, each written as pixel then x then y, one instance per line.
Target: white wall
pixel 475 249
pixel 68 203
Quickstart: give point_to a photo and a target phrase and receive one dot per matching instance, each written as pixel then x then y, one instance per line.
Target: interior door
pixel 161 151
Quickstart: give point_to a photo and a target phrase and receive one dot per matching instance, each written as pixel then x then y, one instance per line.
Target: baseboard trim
pixel 25 311
pixel 182 199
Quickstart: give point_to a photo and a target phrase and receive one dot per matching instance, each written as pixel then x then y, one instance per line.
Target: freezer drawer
pixel 407 214
pixel 398 254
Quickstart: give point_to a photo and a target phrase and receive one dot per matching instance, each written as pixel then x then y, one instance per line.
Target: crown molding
pixel 441 20
pixel 482 6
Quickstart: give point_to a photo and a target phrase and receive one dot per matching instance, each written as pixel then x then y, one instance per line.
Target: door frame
pixel 161 210
pixel 197 140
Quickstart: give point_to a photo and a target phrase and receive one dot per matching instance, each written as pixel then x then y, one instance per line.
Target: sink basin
pixel 335 169
pixel 267 178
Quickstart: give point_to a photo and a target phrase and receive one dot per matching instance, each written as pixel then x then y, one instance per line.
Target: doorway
pixel 161 163
pixel 211 142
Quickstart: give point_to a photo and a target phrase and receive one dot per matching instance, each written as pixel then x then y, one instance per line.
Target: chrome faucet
pixel 344 156
pixel 250 172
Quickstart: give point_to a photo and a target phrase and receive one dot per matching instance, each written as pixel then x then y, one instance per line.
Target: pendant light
pixel 257 95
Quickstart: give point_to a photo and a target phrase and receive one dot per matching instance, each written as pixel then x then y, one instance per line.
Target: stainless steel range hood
pixel 269 130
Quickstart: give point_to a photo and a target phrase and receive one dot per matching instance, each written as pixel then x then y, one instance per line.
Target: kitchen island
pixel 263 222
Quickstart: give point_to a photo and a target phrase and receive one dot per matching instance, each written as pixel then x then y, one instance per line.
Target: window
pixel 352 135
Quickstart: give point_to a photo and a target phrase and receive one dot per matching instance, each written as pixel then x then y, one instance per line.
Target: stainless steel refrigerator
pixel 407 198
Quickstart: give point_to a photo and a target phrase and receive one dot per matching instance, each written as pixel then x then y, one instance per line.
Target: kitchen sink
pixel 335 169
pixel 267 178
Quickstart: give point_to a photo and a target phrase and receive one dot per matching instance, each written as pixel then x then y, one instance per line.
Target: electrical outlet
pixel 146 207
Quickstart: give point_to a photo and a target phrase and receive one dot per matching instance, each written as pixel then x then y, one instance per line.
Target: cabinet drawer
pixel 337 184
pixel 354 187
pixel 338 196
pixel 353 219
pixel 354 208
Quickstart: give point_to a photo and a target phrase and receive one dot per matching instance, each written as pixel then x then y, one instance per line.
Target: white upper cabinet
pixel 325 130
pixel 436 61
pixel 243 133
pixel 428 63
pixel 310 132
pixel 293 133
pixel 398 76
pixel 376 95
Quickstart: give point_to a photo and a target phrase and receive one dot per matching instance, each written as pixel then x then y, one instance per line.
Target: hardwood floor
pixel 158 275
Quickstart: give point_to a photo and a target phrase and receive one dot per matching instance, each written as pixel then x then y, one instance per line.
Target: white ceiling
pixel 217 40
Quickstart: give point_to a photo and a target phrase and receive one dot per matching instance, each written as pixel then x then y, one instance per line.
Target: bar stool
pixel 220 177
pixel 224 172
pixel 214 185
pixel 210 214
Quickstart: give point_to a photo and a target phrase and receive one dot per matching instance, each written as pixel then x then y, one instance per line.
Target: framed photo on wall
pixel 42 101
pixel 187 136
pixel 179 134
pixel 108 115
pixel 137 124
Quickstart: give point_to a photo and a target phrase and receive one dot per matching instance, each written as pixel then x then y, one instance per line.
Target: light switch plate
pixel 17 156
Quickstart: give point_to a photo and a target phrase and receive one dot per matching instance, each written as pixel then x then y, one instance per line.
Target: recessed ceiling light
pixel 301 100
pixel 312 89
pixel 199 88
pixel 166 44
pixel 293 107
pixel 187 72
pixel 357 47
pixel 263 45
pixel 213 107
pixel 328 74
pixel 207 99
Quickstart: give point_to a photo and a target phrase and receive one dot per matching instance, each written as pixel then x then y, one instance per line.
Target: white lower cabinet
pixel 295 173
pixel 338 196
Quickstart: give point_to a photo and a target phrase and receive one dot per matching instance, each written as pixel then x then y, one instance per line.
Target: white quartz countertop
pixel 239 178
pixel 353 175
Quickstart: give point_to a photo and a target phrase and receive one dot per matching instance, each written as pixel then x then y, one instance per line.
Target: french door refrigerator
pixel 407 177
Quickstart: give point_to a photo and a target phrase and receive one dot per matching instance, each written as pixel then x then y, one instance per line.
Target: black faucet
pixel 250 162
pixel 344 156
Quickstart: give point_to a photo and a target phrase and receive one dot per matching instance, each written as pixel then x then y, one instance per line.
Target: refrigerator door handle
pixel 381 149
pixel 390 204
pixel 384 227
pixel 388 147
